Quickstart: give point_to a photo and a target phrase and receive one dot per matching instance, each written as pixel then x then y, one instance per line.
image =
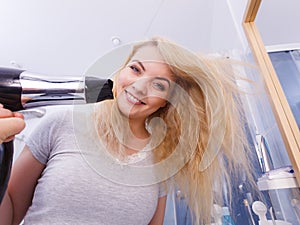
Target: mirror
pixel 271 30
pixel 277 23
pixel 282 111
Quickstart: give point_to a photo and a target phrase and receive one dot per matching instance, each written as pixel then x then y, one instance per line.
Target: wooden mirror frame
pixel 281 109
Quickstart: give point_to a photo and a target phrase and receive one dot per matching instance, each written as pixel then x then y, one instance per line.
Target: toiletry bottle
pixel 226 219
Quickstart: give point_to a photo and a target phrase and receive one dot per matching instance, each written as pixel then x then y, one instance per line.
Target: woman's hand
pixel 11 123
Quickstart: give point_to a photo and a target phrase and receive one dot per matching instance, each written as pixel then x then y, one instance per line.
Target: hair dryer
pixel 21 90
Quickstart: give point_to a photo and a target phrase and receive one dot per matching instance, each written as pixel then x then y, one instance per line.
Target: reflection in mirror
pixel 287 66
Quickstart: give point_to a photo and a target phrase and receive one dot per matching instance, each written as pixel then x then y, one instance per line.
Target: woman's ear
pixel 164 104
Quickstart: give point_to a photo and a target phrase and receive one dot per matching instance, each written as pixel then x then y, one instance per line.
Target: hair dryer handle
pixel 6 158
pixel 10 89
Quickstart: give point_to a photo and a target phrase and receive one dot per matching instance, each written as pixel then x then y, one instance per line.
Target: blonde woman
pixel 175 118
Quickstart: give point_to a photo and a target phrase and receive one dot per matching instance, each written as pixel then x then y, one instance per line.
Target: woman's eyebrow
pixel 140 63
pixel 164 79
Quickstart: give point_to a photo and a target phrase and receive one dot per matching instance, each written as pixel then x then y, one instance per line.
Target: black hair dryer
pixel 21 90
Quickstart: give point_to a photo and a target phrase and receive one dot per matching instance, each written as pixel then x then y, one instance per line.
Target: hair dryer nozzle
pixel 22 90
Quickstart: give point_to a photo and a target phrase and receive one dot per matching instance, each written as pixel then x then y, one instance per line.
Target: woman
pixel 175 117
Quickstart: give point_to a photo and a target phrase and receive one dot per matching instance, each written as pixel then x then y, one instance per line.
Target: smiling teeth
pixel 133 99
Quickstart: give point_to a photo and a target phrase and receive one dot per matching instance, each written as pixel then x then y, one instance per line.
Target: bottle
pixel 226 218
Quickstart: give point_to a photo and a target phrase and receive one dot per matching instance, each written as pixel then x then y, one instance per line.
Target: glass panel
pixel 286 65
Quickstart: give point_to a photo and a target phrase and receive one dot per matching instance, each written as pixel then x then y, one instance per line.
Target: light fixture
pixel 115 41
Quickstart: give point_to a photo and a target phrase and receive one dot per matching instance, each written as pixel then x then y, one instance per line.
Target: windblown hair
pixel 204 127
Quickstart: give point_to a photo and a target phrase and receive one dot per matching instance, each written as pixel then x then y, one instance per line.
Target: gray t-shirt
pixel 71 191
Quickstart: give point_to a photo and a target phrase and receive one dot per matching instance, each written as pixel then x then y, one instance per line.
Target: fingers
pixel 4 113
pixel 9 127
pixel 19 115
pixel 11 123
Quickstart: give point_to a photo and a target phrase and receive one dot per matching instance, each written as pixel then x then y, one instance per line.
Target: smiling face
pixel 143 86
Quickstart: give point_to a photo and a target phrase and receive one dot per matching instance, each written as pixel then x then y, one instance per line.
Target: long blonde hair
pixel 204 127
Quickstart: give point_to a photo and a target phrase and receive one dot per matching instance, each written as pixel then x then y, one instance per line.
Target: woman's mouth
pixel 132 99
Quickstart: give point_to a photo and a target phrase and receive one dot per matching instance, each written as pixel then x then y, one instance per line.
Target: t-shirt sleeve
pixel 43 137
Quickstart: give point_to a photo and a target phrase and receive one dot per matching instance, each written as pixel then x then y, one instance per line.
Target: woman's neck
pixel 138 129
pixel 137 137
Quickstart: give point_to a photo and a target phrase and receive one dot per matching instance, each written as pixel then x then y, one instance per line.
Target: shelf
pixel 265 184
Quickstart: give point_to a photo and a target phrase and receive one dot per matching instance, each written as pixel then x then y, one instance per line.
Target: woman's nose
pixel 141 85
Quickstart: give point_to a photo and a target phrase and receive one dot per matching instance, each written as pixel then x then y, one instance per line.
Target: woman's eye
pixel 159 86
pixel 134 68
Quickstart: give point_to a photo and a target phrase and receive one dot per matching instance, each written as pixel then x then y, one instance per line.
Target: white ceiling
pixel 66 37
pixel 278 22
